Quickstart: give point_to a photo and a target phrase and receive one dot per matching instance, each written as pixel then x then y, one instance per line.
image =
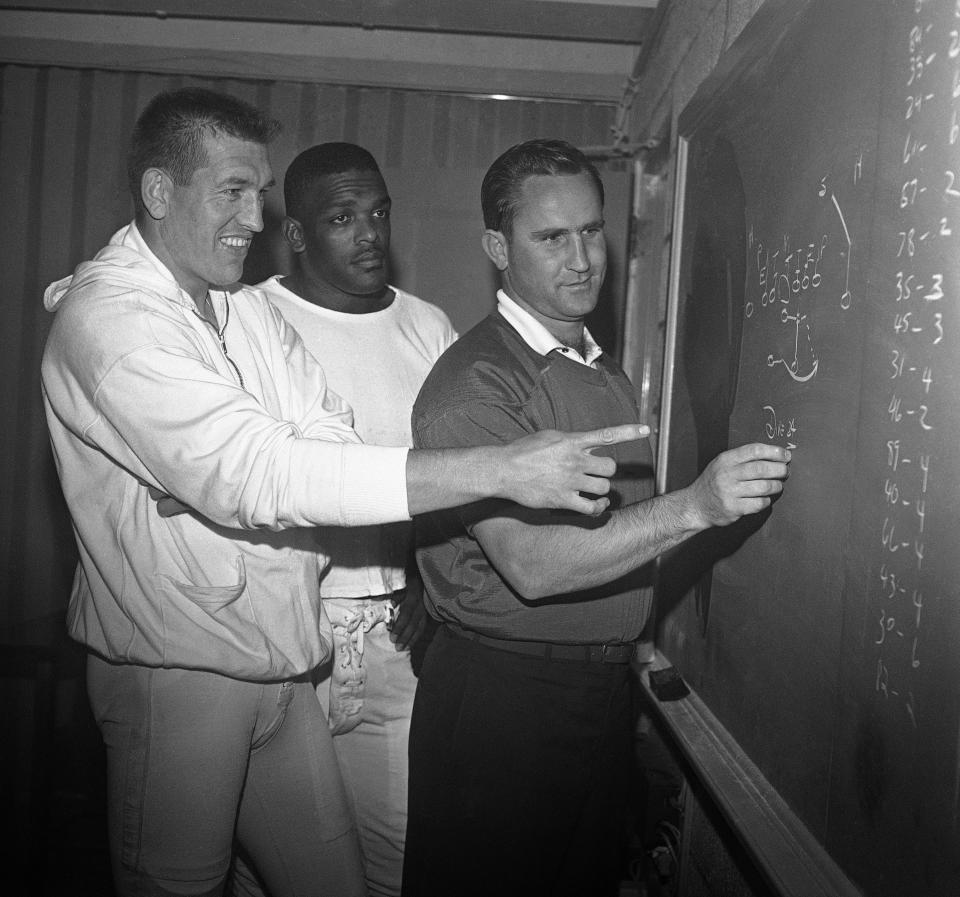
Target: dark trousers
pixel 520 772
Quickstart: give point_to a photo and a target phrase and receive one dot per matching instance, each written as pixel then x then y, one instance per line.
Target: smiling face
pixel 343 245
pixel 554 259
pixel 202 230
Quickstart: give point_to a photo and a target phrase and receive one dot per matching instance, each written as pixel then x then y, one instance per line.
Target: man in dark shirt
pixel 522 732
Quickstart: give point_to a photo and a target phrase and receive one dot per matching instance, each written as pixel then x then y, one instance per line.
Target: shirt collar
pixel 135 237
pixel 541 340
pixel 219 297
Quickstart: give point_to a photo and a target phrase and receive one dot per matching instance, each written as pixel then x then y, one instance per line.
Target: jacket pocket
pixel 210 598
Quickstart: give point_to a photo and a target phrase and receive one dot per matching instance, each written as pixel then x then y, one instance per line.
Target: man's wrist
pixel 689 518
pixel 492 467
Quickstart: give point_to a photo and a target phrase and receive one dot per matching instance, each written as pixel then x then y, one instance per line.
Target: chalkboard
pixel 815 303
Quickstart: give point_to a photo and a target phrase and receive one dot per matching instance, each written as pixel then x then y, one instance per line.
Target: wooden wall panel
pixel 17 233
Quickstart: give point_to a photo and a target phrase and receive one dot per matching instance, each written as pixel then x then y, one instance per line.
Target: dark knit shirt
pixel 491 387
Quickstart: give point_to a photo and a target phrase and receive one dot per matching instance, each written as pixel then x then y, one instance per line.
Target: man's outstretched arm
pixel 544 470
pixel 539 560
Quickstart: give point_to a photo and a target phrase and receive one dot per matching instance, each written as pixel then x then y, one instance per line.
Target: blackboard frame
pixel 784 851
pixel 673 304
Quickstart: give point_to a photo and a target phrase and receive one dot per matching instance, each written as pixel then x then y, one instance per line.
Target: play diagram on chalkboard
pixel 788 282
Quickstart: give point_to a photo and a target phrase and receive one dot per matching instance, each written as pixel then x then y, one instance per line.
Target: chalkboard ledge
pixel 783 849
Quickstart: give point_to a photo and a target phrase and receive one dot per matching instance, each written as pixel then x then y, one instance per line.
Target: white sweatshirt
pixel 377 362
pixel 139 392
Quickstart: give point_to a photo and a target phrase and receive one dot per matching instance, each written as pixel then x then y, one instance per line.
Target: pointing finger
pixel 614 435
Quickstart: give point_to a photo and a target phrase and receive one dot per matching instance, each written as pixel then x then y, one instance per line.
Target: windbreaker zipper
pixel 223 342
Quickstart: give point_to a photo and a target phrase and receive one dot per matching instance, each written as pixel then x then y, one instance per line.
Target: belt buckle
pixel 608 655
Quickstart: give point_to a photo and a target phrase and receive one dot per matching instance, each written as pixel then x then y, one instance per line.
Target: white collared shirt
pixel 541 340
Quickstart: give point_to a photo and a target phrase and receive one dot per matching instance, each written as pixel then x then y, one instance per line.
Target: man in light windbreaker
pixel 167 385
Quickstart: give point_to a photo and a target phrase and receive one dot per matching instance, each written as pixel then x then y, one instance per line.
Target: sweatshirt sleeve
pixel 133 383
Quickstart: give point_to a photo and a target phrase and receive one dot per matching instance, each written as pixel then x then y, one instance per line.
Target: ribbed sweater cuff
pixel 373 485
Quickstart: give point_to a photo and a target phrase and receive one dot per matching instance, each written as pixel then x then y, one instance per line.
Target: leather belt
pixel 612 652
pixel 396 596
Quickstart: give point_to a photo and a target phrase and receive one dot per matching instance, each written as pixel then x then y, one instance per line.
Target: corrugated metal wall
pixel 63 135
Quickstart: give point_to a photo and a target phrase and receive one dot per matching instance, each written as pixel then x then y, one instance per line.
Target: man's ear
pixel 293 234
pixel 495 246
pixel 155 191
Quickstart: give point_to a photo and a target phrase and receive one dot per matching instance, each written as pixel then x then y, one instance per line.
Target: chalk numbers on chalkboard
pixel 924 209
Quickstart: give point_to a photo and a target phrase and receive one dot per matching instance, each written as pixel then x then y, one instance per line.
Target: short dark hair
pixel 500 190
pixel 169 133
pixel 317 162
